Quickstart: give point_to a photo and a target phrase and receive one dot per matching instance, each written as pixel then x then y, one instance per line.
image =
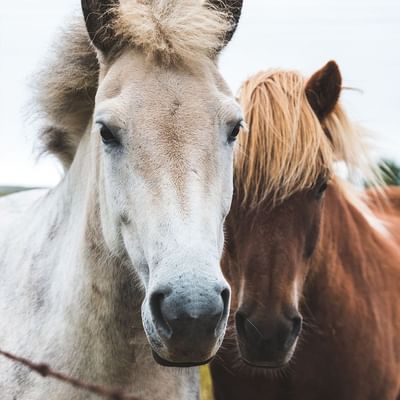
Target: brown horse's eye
pixel 321 188
pixel 107 136
pixel 235 132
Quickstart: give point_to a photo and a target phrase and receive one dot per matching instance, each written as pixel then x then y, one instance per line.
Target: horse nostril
pixel 226 295
pixel 247 329
pixel 239 320
pixel 223 316
pixel 294 332
pixel 297 323
pixel 156 300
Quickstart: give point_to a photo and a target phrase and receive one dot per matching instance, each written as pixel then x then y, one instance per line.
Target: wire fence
pixel 46 372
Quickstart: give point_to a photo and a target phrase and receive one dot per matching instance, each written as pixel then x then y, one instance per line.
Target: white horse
pixel 132 236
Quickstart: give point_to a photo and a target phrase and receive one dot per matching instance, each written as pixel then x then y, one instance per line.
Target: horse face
pixel 165 139
pixel 266 264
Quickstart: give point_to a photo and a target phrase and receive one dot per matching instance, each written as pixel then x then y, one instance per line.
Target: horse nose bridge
pixel 279 294
pixel 277 287
pixel 262 306
pixel 187 269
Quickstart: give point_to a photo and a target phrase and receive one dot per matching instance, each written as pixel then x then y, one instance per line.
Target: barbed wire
pixel 45 371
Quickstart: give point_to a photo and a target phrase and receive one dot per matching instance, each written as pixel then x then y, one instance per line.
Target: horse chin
pixel 165 363
pixel 276 363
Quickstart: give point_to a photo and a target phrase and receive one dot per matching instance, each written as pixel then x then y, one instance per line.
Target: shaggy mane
pixel 287 149
pixel 167 31
pixel 173 31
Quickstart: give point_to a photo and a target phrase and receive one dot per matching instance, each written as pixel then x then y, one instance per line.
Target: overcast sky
pixel 363 36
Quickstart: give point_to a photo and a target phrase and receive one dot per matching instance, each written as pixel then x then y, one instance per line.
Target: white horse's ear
pixel 100 16
pixel 323 89
pixel 233 8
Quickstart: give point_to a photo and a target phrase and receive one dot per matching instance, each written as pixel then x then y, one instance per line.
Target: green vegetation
pixel 390 172
pixel 4 190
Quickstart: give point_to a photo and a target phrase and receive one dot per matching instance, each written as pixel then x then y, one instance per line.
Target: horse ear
pixel 233 8
pixel 323 89
pixel 99 18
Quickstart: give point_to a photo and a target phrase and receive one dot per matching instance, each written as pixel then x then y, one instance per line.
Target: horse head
pixel 164 124
pixel 282 172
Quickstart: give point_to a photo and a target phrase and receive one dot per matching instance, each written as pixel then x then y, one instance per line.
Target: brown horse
pixel 313 263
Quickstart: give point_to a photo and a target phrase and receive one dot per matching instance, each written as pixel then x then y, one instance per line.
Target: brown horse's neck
pixel 353 262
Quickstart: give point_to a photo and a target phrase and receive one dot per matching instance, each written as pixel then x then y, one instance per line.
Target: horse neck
pixel 348 260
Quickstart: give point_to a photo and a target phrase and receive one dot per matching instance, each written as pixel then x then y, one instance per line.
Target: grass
pixel 206 385
pixel 5 190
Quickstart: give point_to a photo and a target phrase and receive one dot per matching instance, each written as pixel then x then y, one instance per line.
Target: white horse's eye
pixel 107 135
pixel 235 132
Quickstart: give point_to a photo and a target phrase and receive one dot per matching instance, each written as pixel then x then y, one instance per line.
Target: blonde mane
pixel 287 149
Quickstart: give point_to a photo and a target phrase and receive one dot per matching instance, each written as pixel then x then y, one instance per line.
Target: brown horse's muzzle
pixel 267 342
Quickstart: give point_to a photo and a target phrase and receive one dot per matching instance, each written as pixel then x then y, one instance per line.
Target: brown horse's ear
pixel 323 89
pixel 233 8
pixel 99 17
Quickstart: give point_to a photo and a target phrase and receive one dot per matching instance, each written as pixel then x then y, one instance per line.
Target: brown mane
pixel 287 149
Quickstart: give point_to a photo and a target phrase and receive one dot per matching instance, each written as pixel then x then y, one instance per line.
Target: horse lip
pixel 165 363
pixel 264 364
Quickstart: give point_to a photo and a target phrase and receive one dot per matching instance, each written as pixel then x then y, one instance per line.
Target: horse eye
pixel 235 132
pixel 107 136
pixel 321 189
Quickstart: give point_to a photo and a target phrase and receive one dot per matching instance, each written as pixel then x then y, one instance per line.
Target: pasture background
pixel 362 35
